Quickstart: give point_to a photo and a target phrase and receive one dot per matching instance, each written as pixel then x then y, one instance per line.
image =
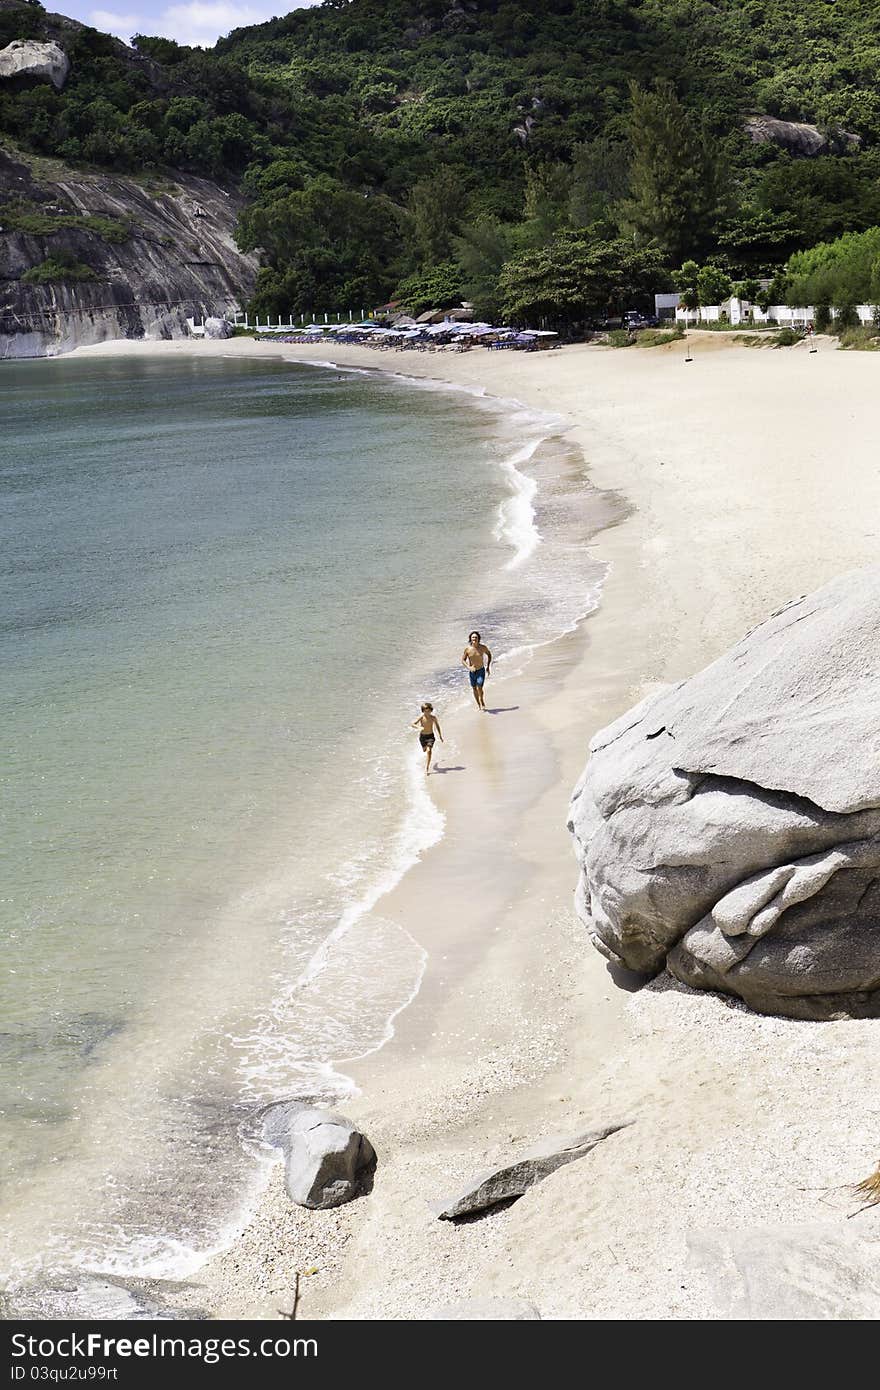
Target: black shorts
pixel 426 740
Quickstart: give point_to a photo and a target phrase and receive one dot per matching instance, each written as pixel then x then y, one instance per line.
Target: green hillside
pixel 547 153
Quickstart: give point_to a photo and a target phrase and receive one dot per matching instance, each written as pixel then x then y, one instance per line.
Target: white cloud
pixel 202 22
pixel 199 23
pixel 122 25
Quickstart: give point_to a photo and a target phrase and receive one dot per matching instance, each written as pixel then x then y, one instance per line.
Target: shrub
pixel 56 268
pixel 823 318
pixel 845 316
pixel 107 228
pixel 860 340
pixel 656 337
pixel 22 216
pixel 787 337
pixel 620 337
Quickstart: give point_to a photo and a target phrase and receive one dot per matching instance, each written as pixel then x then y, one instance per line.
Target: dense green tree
pixel 599 179
pixel 547 200
pixel 517 117
pixel 576 277
pixel 754 240
pixel 824 197
pixel 674 175
pixel 164 51
pixel 439 287
pixel 482 250
pixel 329 248
pixel 435 208
pixel 713 284
pixel 845 315
pixel 846 270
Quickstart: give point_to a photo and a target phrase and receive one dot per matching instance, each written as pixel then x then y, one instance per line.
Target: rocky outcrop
pixel 327 1161
pixel 799 138
pixel 28 58
pixel 512 1179
pixel 729 826
pixel 218 328
pixel 176 259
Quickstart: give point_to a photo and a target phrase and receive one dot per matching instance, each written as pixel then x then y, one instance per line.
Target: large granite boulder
pixel 729 827
pixel 327 1161
pixel 218 328
pixel 799 138
pixel 27 58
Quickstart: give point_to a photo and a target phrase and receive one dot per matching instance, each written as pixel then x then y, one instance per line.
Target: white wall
pixel 741 311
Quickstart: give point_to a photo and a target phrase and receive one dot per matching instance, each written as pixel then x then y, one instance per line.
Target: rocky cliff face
pixel 729 827
pixel 142 256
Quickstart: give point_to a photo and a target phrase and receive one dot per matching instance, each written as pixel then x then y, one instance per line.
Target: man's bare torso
pixel 474 656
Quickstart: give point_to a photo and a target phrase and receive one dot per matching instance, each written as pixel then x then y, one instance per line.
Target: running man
pixel 428 725
pixel 473 658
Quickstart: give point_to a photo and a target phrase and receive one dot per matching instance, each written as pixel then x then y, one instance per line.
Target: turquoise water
pixel 226 585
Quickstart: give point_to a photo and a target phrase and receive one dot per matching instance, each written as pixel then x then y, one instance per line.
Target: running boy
pixel 428 725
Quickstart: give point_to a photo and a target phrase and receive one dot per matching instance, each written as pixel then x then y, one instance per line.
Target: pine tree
pixel 674 178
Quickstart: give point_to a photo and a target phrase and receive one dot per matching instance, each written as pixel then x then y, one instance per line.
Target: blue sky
pixel 188 21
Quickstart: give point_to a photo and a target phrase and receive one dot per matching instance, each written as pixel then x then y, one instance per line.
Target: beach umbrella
pixel 543 333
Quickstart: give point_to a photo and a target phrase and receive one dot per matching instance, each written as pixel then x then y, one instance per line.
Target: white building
pixel 739 311
pixel 665 305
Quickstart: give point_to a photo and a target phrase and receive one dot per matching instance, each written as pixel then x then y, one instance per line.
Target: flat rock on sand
pixel 512 1179
pixel 729 827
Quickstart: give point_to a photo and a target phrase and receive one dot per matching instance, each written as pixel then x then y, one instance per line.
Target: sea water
pixel 226 584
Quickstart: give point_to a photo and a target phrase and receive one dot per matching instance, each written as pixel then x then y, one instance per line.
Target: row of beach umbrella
pixel 448 328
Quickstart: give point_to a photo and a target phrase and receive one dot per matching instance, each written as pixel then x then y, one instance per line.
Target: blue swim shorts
pixel 478 678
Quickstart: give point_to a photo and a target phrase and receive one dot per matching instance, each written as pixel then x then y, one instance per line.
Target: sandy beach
pixel 734 483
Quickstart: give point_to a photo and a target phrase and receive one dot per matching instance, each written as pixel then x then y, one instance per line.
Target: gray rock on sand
pixel 513 1179
pixel 729 827
pixel 218 328
pixel 488 1310
pixel 327 1160
pixel 27 58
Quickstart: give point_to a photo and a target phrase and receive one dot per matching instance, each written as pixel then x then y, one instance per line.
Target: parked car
pixel 635 320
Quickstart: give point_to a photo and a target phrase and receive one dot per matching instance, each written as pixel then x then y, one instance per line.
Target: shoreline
pixel 742 1124
pixel 497 446
pixel 400 903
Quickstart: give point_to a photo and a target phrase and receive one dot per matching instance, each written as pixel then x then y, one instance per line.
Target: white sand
pixel 753 477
